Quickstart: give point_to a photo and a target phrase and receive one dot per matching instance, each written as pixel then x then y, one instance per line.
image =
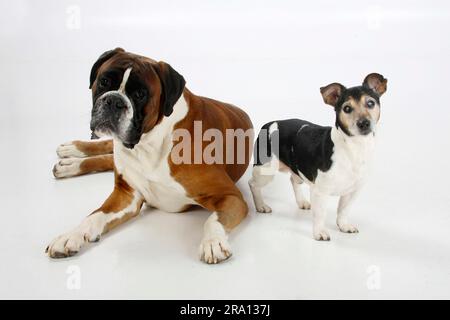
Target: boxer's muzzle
pixel 112 115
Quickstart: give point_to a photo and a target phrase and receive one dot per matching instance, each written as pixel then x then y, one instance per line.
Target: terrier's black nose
pixel 363 124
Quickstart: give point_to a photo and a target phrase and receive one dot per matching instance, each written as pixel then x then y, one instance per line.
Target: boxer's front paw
pixel 67 168
pixel 69 150
pixel 348 228
pixel 321 235
pixel 69 244
pixel 214 250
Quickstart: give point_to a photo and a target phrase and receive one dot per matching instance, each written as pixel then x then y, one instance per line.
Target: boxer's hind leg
pixel 72 167
pixel 123 204
pixel 82 149
pixel 229 209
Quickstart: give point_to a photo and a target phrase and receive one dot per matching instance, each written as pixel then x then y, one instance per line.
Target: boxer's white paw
pixel 68 150
pixel 304 205
pixel 264 208
pixel 321 235
pixel 214 247
pixel 67 167
pixel 69 244
pixel 214 250
pixel 348 228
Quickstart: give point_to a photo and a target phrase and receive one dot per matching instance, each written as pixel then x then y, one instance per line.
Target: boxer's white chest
pixel 145 167
pixel 351 163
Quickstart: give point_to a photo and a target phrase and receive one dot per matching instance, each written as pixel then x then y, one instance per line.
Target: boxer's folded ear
pixel 101 60
pixel 172 84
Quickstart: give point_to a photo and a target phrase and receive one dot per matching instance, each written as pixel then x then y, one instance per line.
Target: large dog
pixel 142 104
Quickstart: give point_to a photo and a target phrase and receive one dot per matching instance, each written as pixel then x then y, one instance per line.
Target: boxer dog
pixel 142 104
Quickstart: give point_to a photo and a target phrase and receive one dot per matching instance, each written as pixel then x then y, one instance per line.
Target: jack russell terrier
pixel 331 160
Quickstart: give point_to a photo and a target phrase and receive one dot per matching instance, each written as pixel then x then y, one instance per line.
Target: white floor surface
pixel 270 59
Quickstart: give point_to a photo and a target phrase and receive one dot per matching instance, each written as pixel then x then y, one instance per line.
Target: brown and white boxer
pixel 142 104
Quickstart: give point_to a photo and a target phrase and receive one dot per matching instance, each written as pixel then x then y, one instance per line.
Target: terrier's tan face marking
pixel 357 108
pixel 354 110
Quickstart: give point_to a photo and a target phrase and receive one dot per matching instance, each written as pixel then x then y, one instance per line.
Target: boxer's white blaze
pixel 126 75
pixel 121 91
pixel 126 122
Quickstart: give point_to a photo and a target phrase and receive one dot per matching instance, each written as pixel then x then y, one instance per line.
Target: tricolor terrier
pixel 332 160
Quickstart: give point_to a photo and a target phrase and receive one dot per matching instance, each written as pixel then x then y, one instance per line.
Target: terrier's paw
pixel 264 208
pixel 69 150
pixel 214 250
pixel 304 205
pixel 321 235
pixel 348 228
pixel 67 168
pixel 69 244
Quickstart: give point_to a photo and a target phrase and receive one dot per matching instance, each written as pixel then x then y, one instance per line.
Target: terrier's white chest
pixel 350 166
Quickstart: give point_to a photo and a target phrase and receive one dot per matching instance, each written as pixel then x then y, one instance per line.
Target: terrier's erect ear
pixel 376 82
pixel 172 84
pixel 101 60
pixel 331 93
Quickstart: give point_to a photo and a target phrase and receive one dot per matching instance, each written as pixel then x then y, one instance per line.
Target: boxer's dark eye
pixel 370 104
pixel 104 82
pixel 347 109
pixel 140 94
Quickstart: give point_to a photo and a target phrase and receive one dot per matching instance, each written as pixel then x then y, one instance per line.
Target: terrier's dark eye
pixel 347 109
pixel 104 82
pixel 370 104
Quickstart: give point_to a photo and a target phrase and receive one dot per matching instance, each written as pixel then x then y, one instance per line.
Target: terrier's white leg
pixel 319 214
pixel 343 211
pixel 300 197
pixel 262 175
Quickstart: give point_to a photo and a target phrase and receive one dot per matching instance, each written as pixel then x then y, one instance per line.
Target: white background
pixel 270 58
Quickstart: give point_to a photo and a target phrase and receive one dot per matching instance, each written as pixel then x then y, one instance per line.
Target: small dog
pixel 332 160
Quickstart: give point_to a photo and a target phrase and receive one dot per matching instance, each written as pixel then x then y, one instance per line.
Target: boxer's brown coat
pixel 210 185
